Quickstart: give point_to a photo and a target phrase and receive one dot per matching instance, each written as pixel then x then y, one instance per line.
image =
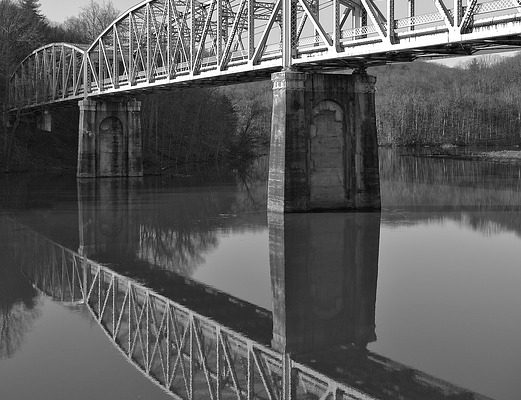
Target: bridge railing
pixel 162 42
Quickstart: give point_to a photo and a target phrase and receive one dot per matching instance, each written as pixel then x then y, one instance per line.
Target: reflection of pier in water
pixel 197 354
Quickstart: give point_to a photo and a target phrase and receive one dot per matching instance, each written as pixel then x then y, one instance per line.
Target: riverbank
pixel 509 156
pixel 506 156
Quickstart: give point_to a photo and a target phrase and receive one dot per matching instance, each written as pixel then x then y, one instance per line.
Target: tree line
pixel 422 104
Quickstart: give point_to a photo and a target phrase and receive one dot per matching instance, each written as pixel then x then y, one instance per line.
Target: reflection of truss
pixel 188 355
pixel 162 42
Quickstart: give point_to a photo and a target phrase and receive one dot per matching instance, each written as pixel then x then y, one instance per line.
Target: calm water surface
pixel 431 284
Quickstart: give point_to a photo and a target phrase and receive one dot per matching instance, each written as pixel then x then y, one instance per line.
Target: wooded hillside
pixel 429 104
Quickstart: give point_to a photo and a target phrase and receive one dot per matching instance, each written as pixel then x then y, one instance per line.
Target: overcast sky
pixel 60 10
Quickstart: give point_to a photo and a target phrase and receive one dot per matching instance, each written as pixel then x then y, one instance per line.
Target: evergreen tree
pixel 31 8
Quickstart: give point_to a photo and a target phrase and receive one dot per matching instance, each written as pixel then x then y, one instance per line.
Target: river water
pixel 431 286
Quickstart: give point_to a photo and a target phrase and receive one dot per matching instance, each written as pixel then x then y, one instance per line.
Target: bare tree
pixel 92 20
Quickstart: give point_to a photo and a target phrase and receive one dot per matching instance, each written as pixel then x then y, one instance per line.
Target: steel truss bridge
pixel 191 356
pixel 159 43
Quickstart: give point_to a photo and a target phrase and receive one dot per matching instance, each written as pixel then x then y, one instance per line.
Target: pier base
pixel 324 150
pixel 109 142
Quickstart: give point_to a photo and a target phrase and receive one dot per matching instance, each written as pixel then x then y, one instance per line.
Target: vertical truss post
pixel 146 304
pixel 129 291
pixel 64 72
pixel 101 78
pixel 193 33
pixel 251 382
pixel 412 12
pixel 251 30
pixel 131 77
pixel 86 81
pixel 190 326
pixel 457 12
pixel 289 379
pixel 74 72
pixel 337 28
pixel 168 38
pixel 53 71
pixel 168 343
pixel 85 282
pixel 45 66
pixel 115 57
pixel 287 31
pixel 25 88
pixel 149 52
pixel 390 21
pixel 35 76
pixel 20 83
pixel 25 82
pixel 219 363
pixel 219 48
pixel 114 295
pixel 30 76
pixel 363 20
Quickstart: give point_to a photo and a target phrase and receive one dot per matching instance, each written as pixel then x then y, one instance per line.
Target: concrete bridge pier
pixel 324 151
pixel 109 143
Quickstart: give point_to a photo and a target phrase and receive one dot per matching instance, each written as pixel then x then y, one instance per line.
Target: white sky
pixel 60 10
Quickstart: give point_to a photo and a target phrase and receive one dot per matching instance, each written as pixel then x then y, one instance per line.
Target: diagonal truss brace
pixel 318 26
pixel 376 17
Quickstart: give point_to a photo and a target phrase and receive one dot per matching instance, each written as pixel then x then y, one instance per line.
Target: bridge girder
pixel 169 42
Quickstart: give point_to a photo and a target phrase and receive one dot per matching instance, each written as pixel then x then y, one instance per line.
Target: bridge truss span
pixel 51 73
pixel 168 42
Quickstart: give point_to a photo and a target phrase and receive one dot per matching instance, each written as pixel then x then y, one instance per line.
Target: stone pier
pixel 324 151
pixel 109 138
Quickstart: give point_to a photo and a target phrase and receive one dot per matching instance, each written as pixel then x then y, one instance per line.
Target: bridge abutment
pixel 109 140
pixel 324 150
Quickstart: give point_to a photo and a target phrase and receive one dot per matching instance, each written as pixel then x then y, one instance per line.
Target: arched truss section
pixel 52 73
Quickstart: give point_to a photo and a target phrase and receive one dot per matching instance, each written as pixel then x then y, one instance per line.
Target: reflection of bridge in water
pixel 180 335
